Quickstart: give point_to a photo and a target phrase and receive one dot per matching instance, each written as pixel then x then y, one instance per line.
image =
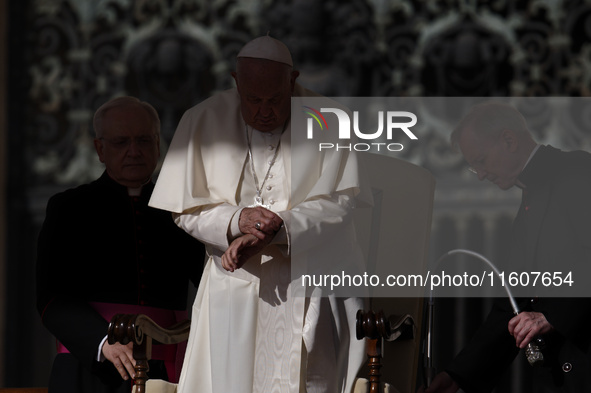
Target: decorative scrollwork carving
pixel 176 53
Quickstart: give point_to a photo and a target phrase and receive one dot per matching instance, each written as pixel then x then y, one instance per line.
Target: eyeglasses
pixel 479 164
pixel 473 169
pixel 141 142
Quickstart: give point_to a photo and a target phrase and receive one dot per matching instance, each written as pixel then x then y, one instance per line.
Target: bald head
pixel 495 141
pixel 488 120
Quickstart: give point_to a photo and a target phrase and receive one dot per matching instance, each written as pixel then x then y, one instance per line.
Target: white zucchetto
pixel 267 47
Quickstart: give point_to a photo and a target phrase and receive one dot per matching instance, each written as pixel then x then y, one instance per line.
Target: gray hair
pixel 489 119
pixel 124 101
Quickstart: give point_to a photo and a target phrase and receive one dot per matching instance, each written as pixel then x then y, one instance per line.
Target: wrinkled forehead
pixel 129 120
pixel 264 88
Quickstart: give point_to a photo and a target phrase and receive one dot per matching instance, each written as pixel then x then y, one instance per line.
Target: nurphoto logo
pixel 396 122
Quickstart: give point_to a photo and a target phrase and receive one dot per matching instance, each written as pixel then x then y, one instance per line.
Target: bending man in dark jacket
pixel 551 233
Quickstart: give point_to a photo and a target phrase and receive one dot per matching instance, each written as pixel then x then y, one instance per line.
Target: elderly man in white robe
pixel 228 179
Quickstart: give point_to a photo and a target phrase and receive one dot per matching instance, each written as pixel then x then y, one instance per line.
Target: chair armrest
pixel 142 331
pixel 376 327
pixel 125 328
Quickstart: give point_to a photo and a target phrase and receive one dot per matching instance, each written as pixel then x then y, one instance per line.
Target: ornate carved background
pixel 175 53
pixel 69 56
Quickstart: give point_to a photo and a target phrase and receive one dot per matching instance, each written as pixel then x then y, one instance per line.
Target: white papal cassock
pixel 249 332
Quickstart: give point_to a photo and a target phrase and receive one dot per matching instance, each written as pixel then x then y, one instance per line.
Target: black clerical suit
pixel 98 244
pixel 551 232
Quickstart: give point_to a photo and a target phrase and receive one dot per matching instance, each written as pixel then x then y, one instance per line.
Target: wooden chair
pixel 400 226
pixel 397 242
pixel 376 327
pixel 143 332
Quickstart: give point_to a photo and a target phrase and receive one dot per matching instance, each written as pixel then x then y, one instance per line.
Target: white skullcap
pixel 267 47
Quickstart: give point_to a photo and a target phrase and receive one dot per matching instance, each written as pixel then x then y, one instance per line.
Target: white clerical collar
pixel 137 191
pixel 518 183
pixel 134 192
pixel 533 152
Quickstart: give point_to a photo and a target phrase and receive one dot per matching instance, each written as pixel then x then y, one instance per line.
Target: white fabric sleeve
pixel 281 235
pixel 234 228
pixel 209 223
pixel 100 357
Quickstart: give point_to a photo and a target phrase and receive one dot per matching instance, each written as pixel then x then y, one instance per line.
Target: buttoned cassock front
pixel 249 333
pixel 100 245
